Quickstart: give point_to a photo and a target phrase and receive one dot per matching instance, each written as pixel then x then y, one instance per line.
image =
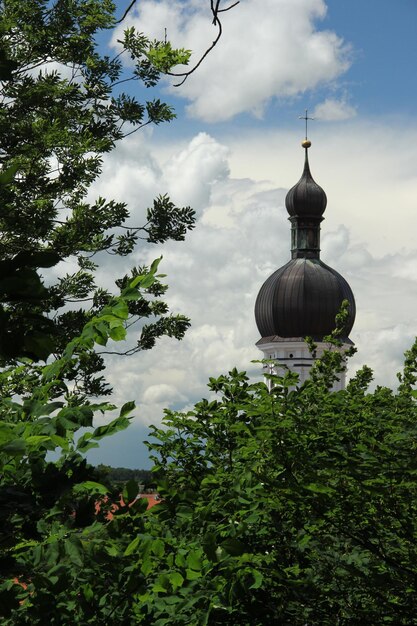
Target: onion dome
pixel 306 198
pixel 303 297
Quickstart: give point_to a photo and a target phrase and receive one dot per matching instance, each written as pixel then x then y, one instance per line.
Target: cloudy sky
pixel 234 152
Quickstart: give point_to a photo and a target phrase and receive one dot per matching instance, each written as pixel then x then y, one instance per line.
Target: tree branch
pixel 126 12
pixel 215 10
pixel 127 353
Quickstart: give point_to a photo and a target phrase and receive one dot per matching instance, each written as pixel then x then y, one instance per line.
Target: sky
pixel 232 154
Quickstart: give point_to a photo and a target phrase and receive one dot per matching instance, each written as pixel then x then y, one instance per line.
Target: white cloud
pixel 332 110
pixel 162 393
pixel 242 236
pixel 192 172
pixel 54 67
pixel 383 349
pixel 272 49
pixel 366 168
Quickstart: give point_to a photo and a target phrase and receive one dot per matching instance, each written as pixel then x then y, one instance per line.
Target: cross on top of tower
pixel 306 118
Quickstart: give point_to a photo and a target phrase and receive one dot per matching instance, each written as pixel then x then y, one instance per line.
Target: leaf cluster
pixel 301 503
pixel 62 108
pixel 54 539
pixel 292 506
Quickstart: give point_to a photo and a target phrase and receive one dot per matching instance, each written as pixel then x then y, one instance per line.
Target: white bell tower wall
pixel 296 356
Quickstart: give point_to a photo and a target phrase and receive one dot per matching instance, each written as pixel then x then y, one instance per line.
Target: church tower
pixel 303 297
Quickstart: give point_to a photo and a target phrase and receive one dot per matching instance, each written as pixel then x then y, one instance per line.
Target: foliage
pixel 124 474
pixel 290 506
pixel 62 108
pixel 32 335
pixel 295 506
pixel 55 539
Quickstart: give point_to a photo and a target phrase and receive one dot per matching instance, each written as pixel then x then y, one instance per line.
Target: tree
pixel 56 542
pixel 121 475
pixel 53 523
pixel 295 506
pixel 289 506
pixel 62 108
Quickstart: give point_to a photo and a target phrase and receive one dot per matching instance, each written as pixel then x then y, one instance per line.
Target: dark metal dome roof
pixel 306 198
pixel 301 299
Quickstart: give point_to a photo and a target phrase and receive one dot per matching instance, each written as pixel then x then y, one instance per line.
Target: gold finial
pixel 306 143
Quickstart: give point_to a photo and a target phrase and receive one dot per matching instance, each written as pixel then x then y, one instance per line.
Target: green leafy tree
pixel 295 506
pixel 289 506
pixel 66 537
pixel 53 531
pixel 124 474
pixel 62 108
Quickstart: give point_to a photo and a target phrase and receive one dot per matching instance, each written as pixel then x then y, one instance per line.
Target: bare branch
pixel 126 12
pixel 215 10
pixel 137 128
pixel 127 353
pixel 228 8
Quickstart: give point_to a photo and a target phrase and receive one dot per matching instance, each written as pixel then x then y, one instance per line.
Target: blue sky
pixel 380 80
pixel 382 34
pixel 233 153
